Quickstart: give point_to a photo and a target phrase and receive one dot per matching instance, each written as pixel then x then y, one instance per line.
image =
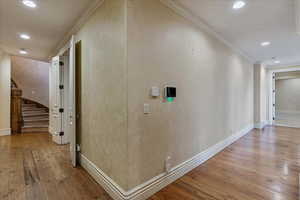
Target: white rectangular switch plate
pixel 146 108
pixel 155 92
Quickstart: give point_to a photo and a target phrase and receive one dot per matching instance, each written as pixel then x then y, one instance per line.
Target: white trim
pixel 188 14
pixel 286 125
pixel 261 125
pixel 78 25
pixel 4 132
pixel 145 190
pixel 288 111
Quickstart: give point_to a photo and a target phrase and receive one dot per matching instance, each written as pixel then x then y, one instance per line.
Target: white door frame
pixel 271 88
pixel 69 121
pixel 72 102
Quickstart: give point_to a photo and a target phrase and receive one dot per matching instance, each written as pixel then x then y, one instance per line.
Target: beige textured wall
pixel 264 92
pixel 5 90
pixel 215 90
pixel 260 94
pixel 104 90
pixel 288 95
pixel 33 78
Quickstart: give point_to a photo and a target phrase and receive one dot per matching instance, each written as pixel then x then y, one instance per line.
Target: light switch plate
pixel 155 92
pixel 146 108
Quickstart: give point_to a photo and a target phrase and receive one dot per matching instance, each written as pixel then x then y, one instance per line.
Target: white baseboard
pixel 4 132
pixel 286 125
pixel 261 125
pixel 145 190
pixel 288 112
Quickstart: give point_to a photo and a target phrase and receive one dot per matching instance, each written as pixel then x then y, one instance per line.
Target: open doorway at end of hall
pixel 287 99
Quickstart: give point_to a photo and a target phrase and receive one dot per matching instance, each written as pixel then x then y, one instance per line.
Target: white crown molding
pixel 147 189
pixel 78 25
pixel 4 132
pixel 186 13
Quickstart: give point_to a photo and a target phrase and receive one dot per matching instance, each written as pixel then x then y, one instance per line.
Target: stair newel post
pixel 16 110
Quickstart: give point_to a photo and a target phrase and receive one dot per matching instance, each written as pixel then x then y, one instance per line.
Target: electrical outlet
pixel 168 164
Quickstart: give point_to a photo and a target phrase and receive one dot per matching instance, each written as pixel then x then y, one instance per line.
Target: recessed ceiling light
pixel 238 5
pixel 23 51
pixel 265 44
pixel 24 36
pixel 277 61
pixel 29 3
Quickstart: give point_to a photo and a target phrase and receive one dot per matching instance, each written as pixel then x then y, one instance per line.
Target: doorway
pixel 63 115
pixel 287 99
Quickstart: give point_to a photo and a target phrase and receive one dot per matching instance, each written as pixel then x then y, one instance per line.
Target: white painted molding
pixel 145 190
pixel 286 125
pixel 4 132
pixel 261 125
pixel 188 14
pixel 78 25
pixel 291 112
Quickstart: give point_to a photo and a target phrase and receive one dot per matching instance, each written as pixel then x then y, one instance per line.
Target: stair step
pixel 35 130
pixel 35 126
pixel 36 123
pixel 32 109
pixel 33 112
pixel 35 115
pixel 45 119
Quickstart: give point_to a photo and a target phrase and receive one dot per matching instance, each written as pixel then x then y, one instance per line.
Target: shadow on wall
pixel 33 78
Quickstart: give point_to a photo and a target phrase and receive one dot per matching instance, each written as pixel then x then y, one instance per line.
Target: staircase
pixel 35 117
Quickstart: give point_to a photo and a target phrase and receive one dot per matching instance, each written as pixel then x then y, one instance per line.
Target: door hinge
pixel 61 133
pixel 61 110
pixel 274 91
pixel 273 118
pixel 61 87
pixel 61 63
pixel 274 104
pixel 78 147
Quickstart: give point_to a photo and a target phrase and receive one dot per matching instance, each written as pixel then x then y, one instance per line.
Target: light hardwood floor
pixel 34 168
pixel 263 165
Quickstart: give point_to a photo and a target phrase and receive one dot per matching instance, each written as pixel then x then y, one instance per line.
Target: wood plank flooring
pixel 34 168
pixel 263 165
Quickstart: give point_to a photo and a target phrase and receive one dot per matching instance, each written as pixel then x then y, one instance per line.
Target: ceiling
pixel 47 24
pixel 246 28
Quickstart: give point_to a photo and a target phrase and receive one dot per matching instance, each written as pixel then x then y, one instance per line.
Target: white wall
pixel 32 77
pixel 214 88
pixel 288 95
pixel 260 96
pixel 5 92
pixel 130 46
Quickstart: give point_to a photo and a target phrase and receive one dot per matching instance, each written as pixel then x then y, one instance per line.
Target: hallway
pixel 261 165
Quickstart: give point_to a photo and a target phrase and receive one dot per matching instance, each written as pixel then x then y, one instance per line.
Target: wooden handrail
pixel 13 84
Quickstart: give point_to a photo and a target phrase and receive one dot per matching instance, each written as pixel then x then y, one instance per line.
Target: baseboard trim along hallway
pixel 145 190
pixel 261 125
pixel 4 132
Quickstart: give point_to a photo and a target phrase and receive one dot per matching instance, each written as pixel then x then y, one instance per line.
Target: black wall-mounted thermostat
pixel 170 93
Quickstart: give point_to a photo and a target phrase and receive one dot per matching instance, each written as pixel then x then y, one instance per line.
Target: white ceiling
pixel 258 21
pixel 47 24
